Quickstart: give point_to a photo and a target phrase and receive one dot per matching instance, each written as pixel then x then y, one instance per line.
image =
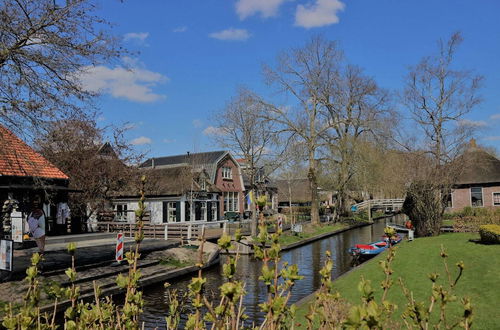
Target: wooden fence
pixel 174 230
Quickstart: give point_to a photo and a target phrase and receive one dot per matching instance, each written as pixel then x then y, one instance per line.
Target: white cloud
pixel 495 116
pixel 137 36
pixel 197 123
pixel 212 130
pixel 231 34
pixel 134 83
pixel 266 8
pixel 169 140
pixel 180 29
pixel 142 140
pixel 321 13
pixel 472 123
pixel 492 138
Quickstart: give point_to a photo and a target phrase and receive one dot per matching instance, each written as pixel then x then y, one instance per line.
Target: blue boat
pixel 373 249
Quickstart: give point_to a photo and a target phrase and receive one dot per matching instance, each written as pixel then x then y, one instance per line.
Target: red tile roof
pixel 19 159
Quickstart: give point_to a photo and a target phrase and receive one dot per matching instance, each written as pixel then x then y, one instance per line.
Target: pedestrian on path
pixel 36 223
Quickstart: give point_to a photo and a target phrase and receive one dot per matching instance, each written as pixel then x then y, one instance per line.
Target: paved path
pixel 89 254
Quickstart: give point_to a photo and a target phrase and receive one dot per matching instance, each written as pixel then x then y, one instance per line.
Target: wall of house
pixel 461 197
pixel 234 184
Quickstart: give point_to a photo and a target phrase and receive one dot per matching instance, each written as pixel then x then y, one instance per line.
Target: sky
pixel 188 58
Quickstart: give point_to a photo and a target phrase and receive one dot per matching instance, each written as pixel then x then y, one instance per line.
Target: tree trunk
pixel 254 223
pixel 313 184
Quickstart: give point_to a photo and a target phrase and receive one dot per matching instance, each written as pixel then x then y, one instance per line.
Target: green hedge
pixel 490 234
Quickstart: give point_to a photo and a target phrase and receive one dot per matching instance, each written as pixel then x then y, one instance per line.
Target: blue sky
pixel 189 57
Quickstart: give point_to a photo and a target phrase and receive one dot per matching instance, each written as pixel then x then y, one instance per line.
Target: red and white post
pixel 119 247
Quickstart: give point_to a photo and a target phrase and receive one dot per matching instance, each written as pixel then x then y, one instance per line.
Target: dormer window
pixel 227 173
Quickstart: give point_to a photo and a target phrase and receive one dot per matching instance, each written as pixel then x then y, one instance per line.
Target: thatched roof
pixel 171 181
pixel 300 190
pixel 478 167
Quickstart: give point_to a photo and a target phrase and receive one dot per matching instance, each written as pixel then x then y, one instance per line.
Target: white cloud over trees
pixel 133 83
pixel 266 8
pixel 320 13
pixel 231 34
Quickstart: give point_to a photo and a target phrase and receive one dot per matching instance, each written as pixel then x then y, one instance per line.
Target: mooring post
pixel 369 211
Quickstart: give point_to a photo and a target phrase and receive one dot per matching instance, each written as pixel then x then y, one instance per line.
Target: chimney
pixel 473 143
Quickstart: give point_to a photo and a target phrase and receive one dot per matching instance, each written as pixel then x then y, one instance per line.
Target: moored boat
pixel 373 249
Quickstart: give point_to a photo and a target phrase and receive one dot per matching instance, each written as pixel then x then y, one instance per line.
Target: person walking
pixel 36 223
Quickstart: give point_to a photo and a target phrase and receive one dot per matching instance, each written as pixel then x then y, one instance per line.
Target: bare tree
pixel 97 168
pixel 244 131
pixel 304 73
pixel 438 96
pixel 43 46
pixel 357 111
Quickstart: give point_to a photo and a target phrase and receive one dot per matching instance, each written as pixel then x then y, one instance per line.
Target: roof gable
pixel 19 159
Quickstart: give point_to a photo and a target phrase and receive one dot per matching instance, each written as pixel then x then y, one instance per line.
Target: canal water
pixel 310 258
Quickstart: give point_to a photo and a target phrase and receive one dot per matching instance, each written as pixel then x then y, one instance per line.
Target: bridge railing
pixel 394 203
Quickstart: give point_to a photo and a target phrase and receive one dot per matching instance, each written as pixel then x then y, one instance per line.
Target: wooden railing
pixel 175 230
pixel 371 203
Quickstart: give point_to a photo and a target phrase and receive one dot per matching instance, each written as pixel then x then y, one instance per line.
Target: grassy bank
pixel 415 260
pixel 310 231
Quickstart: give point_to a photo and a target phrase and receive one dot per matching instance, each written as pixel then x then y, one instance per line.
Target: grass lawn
pixel 309 231
pixel 415 260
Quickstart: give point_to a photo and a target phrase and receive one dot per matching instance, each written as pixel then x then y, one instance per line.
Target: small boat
pixel 397 228
pixel 373 249
pixel 368 250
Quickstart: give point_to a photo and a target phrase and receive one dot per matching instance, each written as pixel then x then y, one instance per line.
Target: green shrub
pixel 490 234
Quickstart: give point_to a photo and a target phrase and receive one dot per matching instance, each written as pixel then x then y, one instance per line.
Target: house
pixel 191 187
pixel 479 182
pixel 264 186
pixel 298 193
pixel 26 176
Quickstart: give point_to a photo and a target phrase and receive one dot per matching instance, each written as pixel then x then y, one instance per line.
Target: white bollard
pixel 166 232
pixel 190 228
pixel 410 235
pixel 224 228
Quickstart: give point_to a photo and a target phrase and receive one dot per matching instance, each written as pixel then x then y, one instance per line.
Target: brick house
pixel 25 175
pixel 479 182
pixel 189 187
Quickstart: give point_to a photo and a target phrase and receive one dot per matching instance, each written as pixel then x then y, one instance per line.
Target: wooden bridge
pixel 394 204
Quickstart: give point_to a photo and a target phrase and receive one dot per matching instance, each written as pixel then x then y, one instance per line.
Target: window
pixel 203 185
pixel 203 211
pixel 476 196
pixel 449 200
pixel 496 199
pixel 172 212
pixel 214 211
pixel 227 173
pixel 121 212
pixel 231 201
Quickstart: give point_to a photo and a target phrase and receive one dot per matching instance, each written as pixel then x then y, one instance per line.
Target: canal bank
pixel 309 257
pixel 157 265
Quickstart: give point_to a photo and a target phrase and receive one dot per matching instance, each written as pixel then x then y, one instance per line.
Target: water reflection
pixel 310 258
